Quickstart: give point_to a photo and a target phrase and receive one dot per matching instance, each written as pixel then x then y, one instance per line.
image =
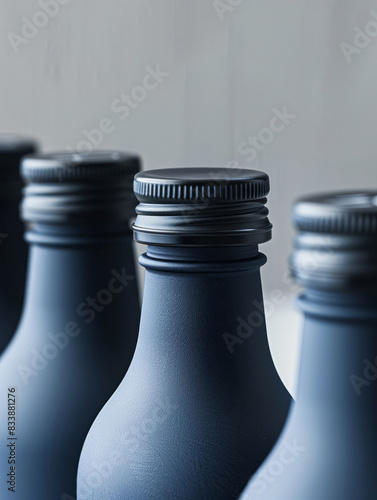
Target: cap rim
pixel 346 212
pixel 336 242
pixel 12 149
pixel 191 184
pixel 94 166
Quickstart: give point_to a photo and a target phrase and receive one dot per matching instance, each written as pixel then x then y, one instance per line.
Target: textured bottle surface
pixel 13 249
pixel 78 330
pixel 202 404
pixel 328 447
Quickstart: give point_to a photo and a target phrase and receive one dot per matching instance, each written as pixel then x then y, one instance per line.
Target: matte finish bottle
pixel 80 320
pixel 202 403
pixel 328 449
pixel 13 249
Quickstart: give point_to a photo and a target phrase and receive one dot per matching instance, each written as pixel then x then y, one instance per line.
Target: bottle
pixel 79 325
pixel 328 449
pixel 13 249
pixel 202 403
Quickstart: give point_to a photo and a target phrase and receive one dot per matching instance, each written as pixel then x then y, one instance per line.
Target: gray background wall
pixel 228 66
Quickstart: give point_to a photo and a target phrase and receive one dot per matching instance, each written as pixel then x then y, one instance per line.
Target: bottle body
pixel 328 447
pixel 202 404
pixel 13 260
pixel 73 345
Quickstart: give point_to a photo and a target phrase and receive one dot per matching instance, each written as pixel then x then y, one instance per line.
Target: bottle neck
pixel 208 308
pixel 10 198
pixel 202 333
pixel 13 250
pixel 339 347
pixel 84 232
pixel 203 260
pixel 81 276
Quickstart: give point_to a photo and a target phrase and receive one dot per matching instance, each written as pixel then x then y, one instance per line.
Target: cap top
pixel 12 148
pixel 341 213
pixel 182 185
pixel 77 166
pixel 13 143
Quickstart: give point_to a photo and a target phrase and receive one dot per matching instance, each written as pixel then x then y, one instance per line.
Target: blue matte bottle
pixel 202 403
pixel 328 449
pixel 79 325
pixel 13 249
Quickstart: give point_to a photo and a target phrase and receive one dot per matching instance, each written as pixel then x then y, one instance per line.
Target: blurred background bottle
pixel 80 320
pixel 329 446
pixel 13 249
pixel 202 404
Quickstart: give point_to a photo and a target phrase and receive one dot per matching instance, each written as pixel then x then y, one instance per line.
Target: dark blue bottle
pixel 80 320
pixel 13 249
pixel 328 449
pixel 202 403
